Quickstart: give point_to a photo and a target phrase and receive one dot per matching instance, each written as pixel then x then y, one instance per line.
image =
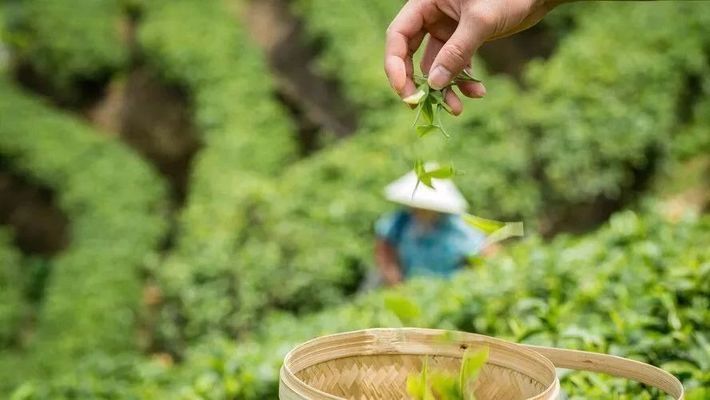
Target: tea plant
pixel 444 386
pixel 430 103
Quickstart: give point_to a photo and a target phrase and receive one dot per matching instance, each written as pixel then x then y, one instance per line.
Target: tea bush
pixel 628 290
pixel 590 293
pixel 247 139
pixel 310 234
pixel 590 97
pixel 357 64
pixel 12 304
pixel 115 203
pixel 263 232
pixel 67 43
pixel 692 140
pixel 598 99
pixel 227 79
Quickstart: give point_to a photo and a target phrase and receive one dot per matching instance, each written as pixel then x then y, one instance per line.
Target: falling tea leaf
pixel 403 307
pixel 495 231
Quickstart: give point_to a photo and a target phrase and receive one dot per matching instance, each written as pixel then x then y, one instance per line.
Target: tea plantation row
pixel 639 288
pixel 262 230
pixel 591 126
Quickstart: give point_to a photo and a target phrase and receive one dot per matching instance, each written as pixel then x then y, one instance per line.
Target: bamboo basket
pixel 375 364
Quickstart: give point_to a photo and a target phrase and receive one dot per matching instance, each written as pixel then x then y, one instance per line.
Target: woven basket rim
pixel 402 341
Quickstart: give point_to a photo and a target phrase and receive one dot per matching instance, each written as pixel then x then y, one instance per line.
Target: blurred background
pixel 188 189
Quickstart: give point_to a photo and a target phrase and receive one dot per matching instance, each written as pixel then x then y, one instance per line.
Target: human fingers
pixel 456 53
pixel 474 90
pixel 453 100
pixel 404 35
pixel 433 46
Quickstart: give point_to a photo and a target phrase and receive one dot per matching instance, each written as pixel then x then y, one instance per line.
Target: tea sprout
pixel 430 104
pixel 434 385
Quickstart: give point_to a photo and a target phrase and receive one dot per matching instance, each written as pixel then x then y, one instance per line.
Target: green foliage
pixel 4 55
pixel 433 385
pixel 606 102
pixel 629 290
pixel 244 128
pixel 286 245
pixel 68 42
pixel 313 226
pixel 12 304
pixel 246 138
pixel 356 63
pixel 430 103
pixel 115 203
pixel 471 366
pixel 263 233
pixel 425 176
pixel 637 288
pixel 693 139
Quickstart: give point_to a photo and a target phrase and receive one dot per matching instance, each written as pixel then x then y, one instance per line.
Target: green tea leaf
pixel 487 226
pixel 436 96
pixel 420 80
pixel 419 167
pixel 419 114
pixel 426 180
pixel 465 76
pixel 510 229
pixel 473 361
pixel 418 385
pixel 418 96
pixel 495 231
pixel 403 307
pixel 445 386
pixel 423 130
pixel 427 111
pixel 442 172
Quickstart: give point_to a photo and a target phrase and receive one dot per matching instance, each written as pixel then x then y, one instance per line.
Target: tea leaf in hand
pixel 436 97
pixel 430 103
pixel 423 130
pixel 427 111
pixel 465 76
pixel 440 125
pixel 418 96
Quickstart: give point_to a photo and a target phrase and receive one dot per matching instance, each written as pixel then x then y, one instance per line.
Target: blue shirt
pixel 437 251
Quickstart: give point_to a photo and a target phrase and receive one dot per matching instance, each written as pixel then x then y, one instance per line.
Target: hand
pixel 456 28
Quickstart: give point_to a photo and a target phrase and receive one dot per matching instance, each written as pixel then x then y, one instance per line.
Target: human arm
pixel 387 263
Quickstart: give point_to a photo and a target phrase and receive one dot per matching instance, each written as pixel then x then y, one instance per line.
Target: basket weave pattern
pixel 385 376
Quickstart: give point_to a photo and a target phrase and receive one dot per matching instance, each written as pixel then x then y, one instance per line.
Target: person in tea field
pixel 428 237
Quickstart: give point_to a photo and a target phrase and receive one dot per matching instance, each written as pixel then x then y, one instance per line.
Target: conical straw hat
pixel 445 197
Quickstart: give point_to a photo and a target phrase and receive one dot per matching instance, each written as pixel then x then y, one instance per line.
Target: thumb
pixel 456 53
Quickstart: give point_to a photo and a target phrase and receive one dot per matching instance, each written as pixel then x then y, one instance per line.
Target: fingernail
pixel 479 89
pixel 439 77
